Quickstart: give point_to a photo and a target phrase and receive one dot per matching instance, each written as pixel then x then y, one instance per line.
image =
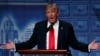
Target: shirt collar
pixel 54 24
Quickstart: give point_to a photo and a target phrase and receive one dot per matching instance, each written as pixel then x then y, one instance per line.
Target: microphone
pixel 50 27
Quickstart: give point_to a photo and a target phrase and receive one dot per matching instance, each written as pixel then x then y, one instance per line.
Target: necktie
pixel 51 39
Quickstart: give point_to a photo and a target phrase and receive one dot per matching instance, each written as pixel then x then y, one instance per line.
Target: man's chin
pixel 51 21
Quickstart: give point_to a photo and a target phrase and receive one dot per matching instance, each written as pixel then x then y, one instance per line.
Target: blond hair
pixel 52 6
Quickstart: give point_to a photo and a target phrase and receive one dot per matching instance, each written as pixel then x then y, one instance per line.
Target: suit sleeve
pixel 30 43
pixel 74 43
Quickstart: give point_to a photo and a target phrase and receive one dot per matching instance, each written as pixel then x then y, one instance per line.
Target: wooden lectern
pixel 45 52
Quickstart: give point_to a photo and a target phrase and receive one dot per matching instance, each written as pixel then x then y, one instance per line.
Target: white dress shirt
pixel 55 27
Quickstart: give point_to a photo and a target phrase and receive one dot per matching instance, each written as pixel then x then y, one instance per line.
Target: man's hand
pixel 94 46
pixel 9 45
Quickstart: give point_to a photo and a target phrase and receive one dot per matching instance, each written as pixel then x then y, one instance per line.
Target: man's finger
pixel 98 45
pixel 4 46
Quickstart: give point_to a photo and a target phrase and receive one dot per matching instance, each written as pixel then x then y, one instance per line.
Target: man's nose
pixel 50 14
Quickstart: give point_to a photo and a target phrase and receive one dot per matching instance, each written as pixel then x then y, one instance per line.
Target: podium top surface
pixel 42 51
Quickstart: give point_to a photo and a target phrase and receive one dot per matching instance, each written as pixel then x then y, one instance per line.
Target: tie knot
pixel 52 29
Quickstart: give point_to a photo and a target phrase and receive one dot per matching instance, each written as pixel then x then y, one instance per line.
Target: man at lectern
pixel 53 34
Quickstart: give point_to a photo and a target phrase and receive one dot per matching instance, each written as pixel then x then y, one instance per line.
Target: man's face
pixel 51 15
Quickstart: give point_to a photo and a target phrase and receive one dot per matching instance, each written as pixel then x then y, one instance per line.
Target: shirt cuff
pixel 14 48
pixel 89 48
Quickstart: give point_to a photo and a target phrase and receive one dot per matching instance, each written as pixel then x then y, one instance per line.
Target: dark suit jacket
pixel 66 38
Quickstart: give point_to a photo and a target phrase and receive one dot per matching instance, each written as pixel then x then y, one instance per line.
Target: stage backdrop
pixel 18 17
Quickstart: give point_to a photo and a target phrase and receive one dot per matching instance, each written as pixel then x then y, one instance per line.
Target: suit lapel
pixel 44 31
pixel 60 32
